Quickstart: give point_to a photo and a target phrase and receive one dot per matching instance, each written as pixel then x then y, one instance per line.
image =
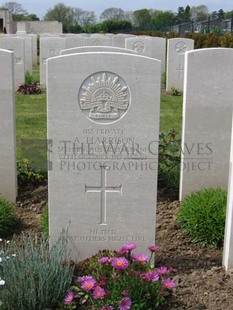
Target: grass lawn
pixel 31 121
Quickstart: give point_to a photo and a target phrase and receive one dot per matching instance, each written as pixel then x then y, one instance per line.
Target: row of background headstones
pixel 207 145
pixel 25 50
pixel 154 47
pixel 25 54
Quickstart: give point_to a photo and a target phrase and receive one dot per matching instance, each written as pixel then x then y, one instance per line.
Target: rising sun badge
pixel 104 97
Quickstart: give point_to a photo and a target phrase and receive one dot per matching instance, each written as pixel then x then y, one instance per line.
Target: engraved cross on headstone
pixel 181 71
pixel 103 189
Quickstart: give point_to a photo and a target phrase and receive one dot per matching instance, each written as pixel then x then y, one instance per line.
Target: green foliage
pixel 30 79
pixel 202 216
pixel 25 17
pixel 8 219
pixel 30 87
pixel 115 25
pixel 169 160
pixel 142 18
pixel 183 14
pixel 226 40
pixel 162 21
pixel 35 278
pixel 27 174
pixel 175 92
pixel 44 221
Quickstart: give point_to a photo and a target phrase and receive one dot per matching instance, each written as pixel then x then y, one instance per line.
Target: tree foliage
pixel 112 14
pixel 14 8
pixel 163 20
pixel 199 13
pixel 115 25
pixel 142 18
pixel 70 17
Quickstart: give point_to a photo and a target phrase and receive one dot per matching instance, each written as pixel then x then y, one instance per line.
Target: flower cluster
pixel 126 281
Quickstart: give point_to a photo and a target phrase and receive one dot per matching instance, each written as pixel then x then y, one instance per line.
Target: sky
pixel 98 6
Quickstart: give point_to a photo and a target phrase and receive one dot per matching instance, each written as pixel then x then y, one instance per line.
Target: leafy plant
pixel 34 277
pixel 169 160
pixel 175 92
pixel 202 216
pixel 29 79
pixel 27 174
pixel 29 89
pixel 8 219
pixel 124 281
pixel 44 221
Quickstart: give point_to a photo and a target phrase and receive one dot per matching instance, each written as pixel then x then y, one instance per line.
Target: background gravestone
pixel 8 175
pixel 16 45
pixel 97 41
pixel 102 185
pixel 207 121
pixel 148 46
pixel 49 47
pixel 176 49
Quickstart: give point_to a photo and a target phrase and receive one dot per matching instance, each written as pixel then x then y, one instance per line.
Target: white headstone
pixel 228 239
pixel 119 39
pixel 28 54
pixel 207 109
pixel 176 49
pixel 97 41
pixel 8 174
pixel 102 185
pixel 49 47
pixel 76 41
pixel 16 45
pixel 153 47
pixel 84 49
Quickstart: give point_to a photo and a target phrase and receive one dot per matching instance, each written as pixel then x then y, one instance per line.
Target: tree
pixel 60 13
pixel 221 14
pixel 183 14
pixel 115 25
pixel 199 13
pixel 142 18
pixel 71 18
pixel 29 17
pixel 83 17
pixel 228 15
pixel 14 8
pixel 112 14
pixel 162 21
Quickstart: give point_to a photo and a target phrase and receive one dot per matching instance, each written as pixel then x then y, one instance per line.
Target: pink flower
pixel 88 285
pixel 98 293
pixel 125 293
pixel 168 284
pixel 151 276
pixel 103 260
pixel 153 248
pixel 127 248
pixel 124 303
pixel 84 278
pixel 120 263
pixel 69 298
pixel 141 258
pixel 162 270
pixel 107 307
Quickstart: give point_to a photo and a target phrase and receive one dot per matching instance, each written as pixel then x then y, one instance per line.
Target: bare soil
pixel 201 282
